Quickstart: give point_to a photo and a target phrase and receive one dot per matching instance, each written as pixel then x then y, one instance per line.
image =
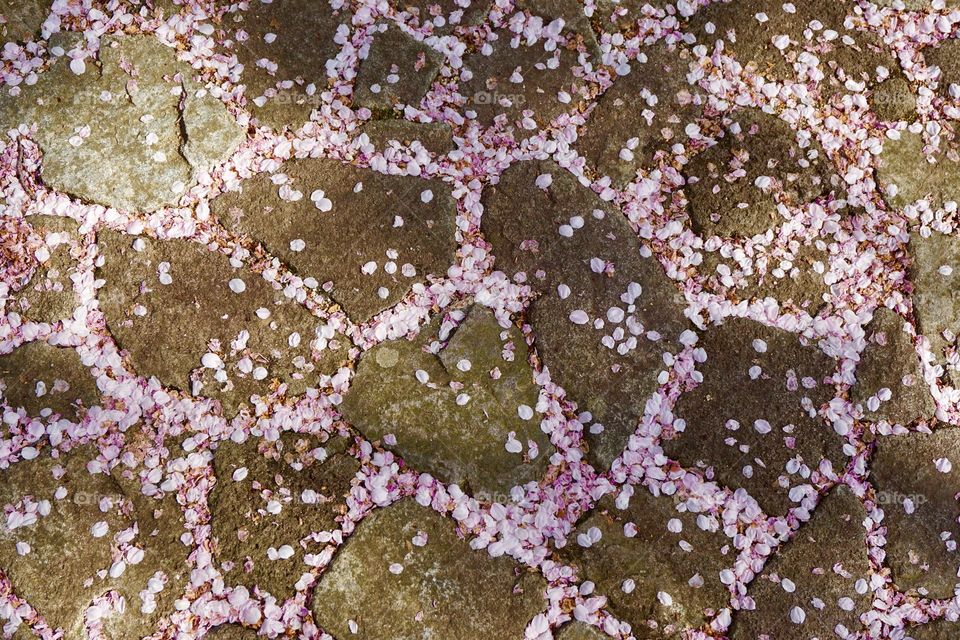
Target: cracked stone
pixel 284 78
pixel 511 77
pixel 20 20
pixel 112 135
pixel 580 631
pixel 770 439
pixel 903 183
pixel 397 71
pixel 436 137
pixel 851 54
pixel 890 361
pixel 894 100
pixel 608 365
pixel 48 296
pixel 405 574
pixel 795 276
pixel 302 478
pixel 935 273
pixel 820 577
pixel 406 229
pixel 259 337
pixel 725 183
pixel 670 553
pixel 620 136
pixel 67 543
pixel 918 501
pixel 40 378
pixel 444 16
pixel 473 394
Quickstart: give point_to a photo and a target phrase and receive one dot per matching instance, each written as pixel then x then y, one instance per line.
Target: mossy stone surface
pixel 457 424
pixel 444 590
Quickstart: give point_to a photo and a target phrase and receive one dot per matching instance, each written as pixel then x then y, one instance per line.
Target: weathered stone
pixel 923 5
pixel 444 589
pixel 48 296
pixel 643 113
pixel 442 17
pixel 946 57
pixel 851 54
pixel 935 273
pixel 920 507
pixel 794 276
pixel 580 631
pixel 231 632
pixel 493 88
pixel 283 77
pixel 21 19
pixel 484 365
pixel 890 361
pixel 894 100
pixel 907 173
pixel 754 414
pixel 65 544
pixel 397 71
pixel 823 563
pixel 722 182
pixel 133 156
pixel 389 221
pixel 609 369
pixel 41 377
pixel 305 476
pixel 168 328
pixel 938 630
pixel 684 564
pixel 436 137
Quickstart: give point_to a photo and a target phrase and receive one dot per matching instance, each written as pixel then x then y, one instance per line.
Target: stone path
pixel 532 319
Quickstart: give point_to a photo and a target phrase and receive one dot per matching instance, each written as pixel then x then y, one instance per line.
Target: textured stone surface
pixel 112 135
pixel 824 563
pixel 22 18
pixel 939 630
pixel 306 477
pixel 890 361
pixel 231 632
pixel 445 589
pixel 62 543
pixel 40 377
pixel 643 113
pixel 684 564
pixel 49 296
pixel 945 57
pixel 495 88
pixel 894 99
pixel 722 181
pixel 920 506
pixel 935 273
pixel 609 370
pixel 404 226
pixel 751 443
pixel 579 631
pixel 146 317
pixel 795 276
pixel 283 77
pixel 397 71
pixel 852 54
pixel 903 183
pixel 458 423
